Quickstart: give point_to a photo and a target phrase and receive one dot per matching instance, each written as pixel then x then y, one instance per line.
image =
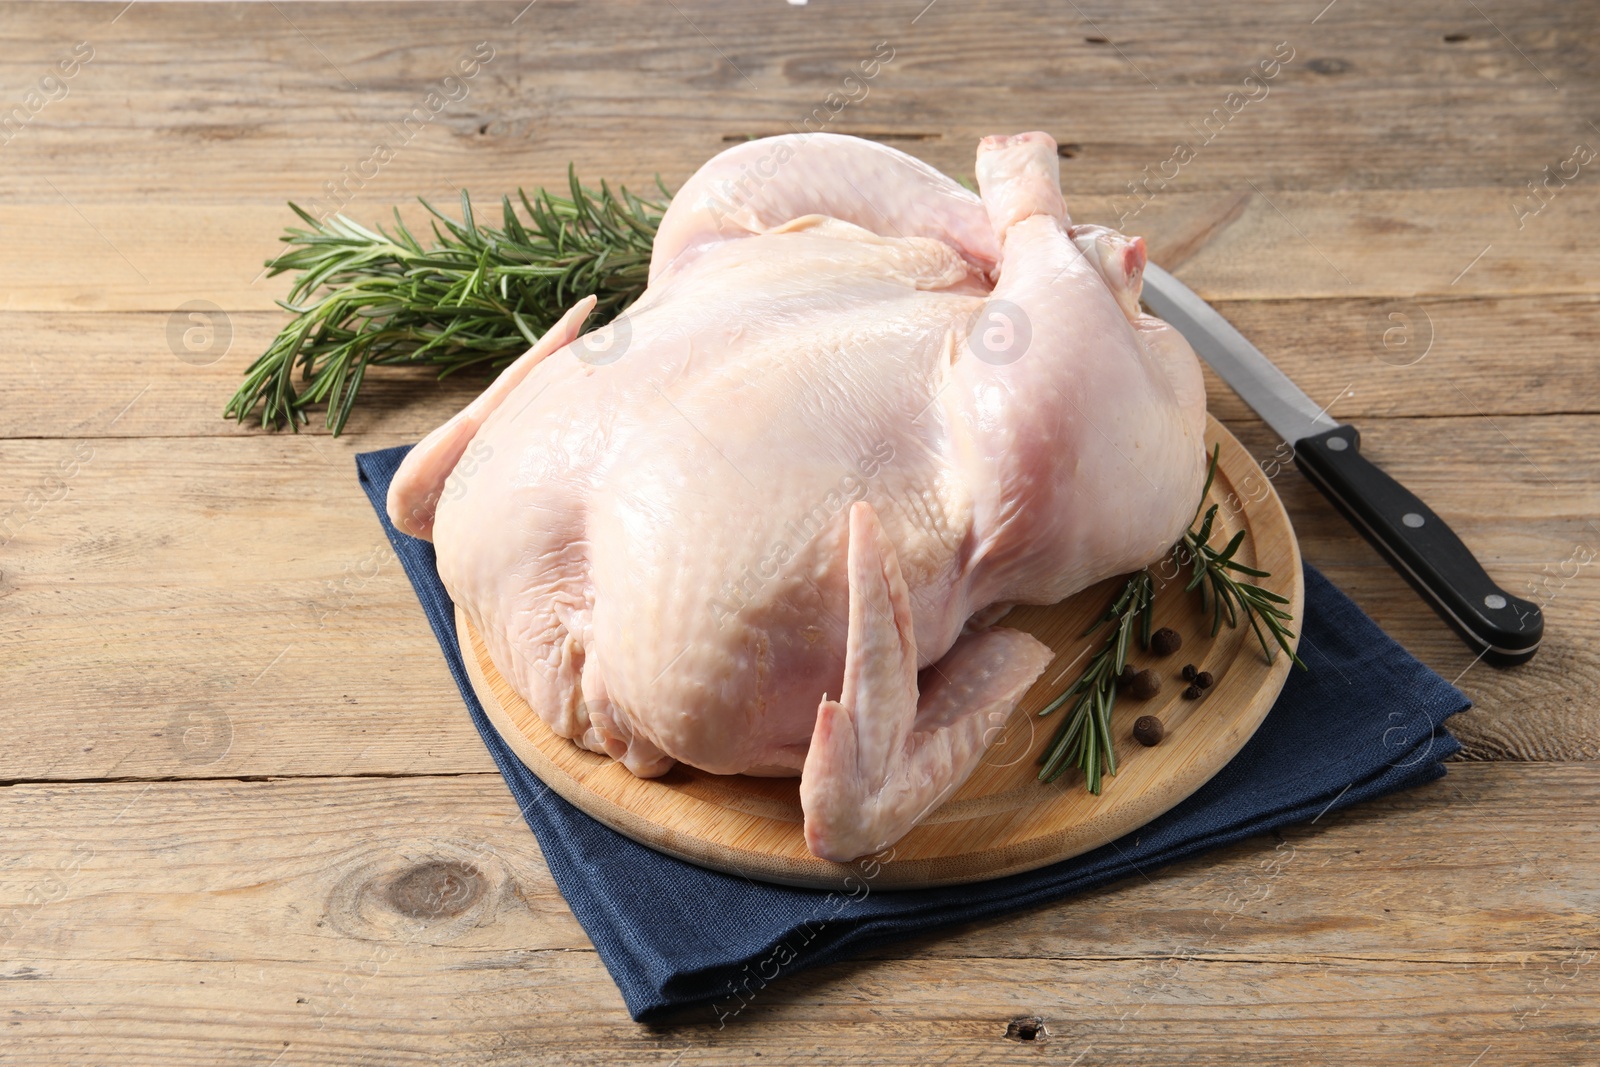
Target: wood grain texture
pixel 400 921
pixel 91 255
pixel 1002 820
pixel 1370 100
pixel 1346 189
pixel 199 601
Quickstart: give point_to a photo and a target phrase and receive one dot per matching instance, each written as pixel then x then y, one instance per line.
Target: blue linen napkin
pixel 1366 720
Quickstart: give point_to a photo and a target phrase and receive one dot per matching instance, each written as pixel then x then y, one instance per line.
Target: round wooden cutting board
pixel 1002 820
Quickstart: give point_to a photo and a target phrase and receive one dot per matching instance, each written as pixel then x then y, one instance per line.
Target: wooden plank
pixel 68 374
pixel 557 1008
pixel 168 587
pixel 1425 357
pixel 1367 101
pixel 1454 243
pixel 222 599
pixel 412 921
pixel 1333 208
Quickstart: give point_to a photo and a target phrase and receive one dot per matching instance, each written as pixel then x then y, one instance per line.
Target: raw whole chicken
pixel 761 523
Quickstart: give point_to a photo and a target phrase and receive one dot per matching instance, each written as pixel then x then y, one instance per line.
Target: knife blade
pixel 1504 629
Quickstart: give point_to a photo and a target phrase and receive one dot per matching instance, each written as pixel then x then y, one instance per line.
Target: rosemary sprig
pixel 1229 597
pixel 1084 737
pixel 476 295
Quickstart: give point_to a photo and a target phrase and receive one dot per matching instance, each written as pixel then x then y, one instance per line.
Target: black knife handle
pixel 1419 545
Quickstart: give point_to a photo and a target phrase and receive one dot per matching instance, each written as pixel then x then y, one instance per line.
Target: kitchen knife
pixel 1427 553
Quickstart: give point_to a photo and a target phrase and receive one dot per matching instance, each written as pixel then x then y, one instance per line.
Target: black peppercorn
pixel 1147 730
pixel 1192 692
pixel 1129 673
pixel 1165 641
pixel 1189 672
pixel 1204 679
pixel 1146 684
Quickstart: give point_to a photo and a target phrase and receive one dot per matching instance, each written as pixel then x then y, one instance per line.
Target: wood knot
pixel 439 889
pixel 1329 66
pixel 1027 1028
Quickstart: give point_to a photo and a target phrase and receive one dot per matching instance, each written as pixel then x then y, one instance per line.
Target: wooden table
pixel 245 817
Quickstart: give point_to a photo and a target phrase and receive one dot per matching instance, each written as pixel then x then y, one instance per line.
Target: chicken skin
pixel 760 522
